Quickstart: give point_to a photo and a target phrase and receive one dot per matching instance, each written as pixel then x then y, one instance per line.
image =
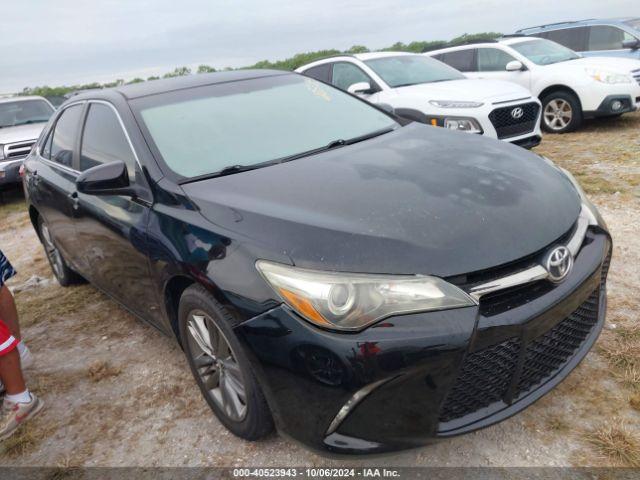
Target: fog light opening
pixel 616 105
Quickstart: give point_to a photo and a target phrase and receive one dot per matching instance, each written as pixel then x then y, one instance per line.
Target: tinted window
pixel 405 70
pixel 493 60
pixel 346 74
pixel 573 38
pixel 103 140
pixel 64 136
pixel 24 112
pixel 604 37
pixel 202 130
pixel 462 60
pixel 321 72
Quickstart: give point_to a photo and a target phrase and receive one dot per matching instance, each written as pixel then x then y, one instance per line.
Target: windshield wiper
pixel 232 169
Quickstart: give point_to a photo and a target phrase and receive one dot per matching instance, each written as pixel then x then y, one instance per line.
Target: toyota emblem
pixel 559 263
pixel 517 113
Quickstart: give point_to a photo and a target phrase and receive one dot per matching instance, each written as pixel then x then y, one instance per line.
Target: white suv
pixel 570 87
pixel 428 91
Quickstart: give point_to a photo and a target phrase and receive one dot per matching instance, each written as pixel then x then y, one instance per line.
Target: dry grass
pixel 101 370
pixel 617 444
pixel 53 302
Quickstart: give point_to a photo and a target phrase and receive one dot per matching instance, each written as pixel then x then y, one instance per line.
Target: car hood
pixel 474 90
pixel 619 65
pixel 21 133
pixel 419 200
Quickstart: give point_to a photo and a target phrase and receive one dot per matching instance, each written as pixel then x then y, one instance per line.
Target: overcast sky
pixel 53 42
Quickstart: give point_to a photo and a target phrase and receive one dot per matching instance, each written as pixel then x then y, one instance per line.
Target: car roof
pixel 154 87
pixel 373 55
pixel 504 41
pixel 21 99
pixel 577 23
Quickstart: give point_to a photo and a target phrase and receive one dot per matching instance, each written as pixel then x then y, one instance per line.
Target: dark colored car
pixel 362 284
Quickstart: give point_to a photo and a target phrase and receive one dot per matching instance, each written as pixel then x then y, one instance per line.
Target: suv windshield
pixel 235 126
pixel 405 70
pixel 544 52
pixel 23 112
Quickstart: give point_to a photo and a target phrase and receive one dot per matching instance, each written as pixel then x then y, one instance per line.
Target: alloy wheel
pixel 216 364
pixel 558 114
pixel 54 256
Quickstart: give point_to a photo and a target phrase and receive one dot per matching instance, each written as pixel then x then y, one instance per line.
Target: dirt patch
pixel 119 393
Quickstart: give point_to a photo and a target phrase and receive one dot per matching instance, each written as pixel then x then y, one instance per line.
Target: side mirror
pixel 514 66
pixel 631 44
pixel 359 88
pixel 107 179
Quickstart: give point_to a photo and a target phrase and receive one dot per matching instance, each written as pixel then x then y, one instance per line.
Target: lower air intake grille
pixel 515 120
pixel 492 374
pixel 484 378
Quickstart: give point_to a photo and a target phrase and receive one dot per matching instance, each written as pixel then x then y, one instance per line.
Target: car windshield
pixel 233 126
pixel 544 52
pixel 405 70
pixel 635 23
pixel 24 112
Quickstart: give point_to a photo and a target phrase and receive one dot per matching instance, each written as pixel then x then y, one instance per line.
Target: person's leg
pixel 8 311
pixel 11 373
pixel 19 404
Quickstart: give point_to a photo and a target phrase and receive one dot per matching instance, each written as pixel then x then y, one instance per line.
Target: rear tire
pixel 59 266
pixel 561 112
pixel 220 366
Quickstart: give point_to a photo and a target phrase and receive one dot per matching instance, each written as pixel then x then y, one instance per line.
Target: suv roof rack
pixel 554 24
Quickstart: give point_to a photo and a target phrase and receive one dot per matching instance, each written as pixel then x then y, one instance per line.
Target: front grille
pixel 636 74
pixel 507 125
pixel 18 150
pixel 507 371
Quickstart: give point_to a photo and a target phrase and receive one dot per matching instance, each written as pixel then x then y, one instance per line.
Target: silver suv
pixel 21 121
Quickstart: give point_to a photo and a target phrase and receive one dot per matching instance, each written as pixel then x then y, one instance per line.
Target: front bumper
pixel 596 97
pixel 413 376
pixel 10 171
pixel 614 105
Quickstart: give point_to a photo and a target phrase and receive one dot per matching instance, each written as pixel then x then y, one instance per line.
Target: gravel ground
pixel 118 393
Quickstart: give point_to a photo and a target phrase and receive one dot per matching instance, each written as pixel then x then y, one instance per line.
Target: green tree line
pixel 287 64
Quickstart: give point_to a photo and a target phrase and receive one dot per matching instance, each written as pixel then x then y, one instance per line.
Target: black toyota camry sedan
pixel 360 283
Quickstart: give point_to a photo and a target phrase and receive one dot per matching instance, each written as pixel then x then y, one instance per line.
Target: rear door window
pixel 64 136
pixel 605 37
pixel 493 60
pixel 462 60
pixel 573 38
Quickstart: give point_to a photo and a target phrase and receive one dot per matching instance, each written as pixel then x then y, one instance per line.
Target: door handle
pixel 74 199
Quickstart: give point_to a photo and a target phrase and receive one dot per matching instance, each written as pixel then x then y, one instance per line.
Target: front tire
pixel 61 270
pixel 220 366
pixel 561 112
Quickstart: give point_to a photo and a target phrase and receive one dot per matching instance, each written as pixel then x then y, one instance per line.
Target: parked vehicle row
pixel 361 282
pixel 428 91
pixel 569 87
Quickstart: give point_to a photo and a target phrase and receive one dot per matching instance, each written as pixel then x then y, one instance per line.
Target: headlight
pixel 455 104
pixel 346 301
pixel 1 152
pixel 606 76
pixel 460 124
